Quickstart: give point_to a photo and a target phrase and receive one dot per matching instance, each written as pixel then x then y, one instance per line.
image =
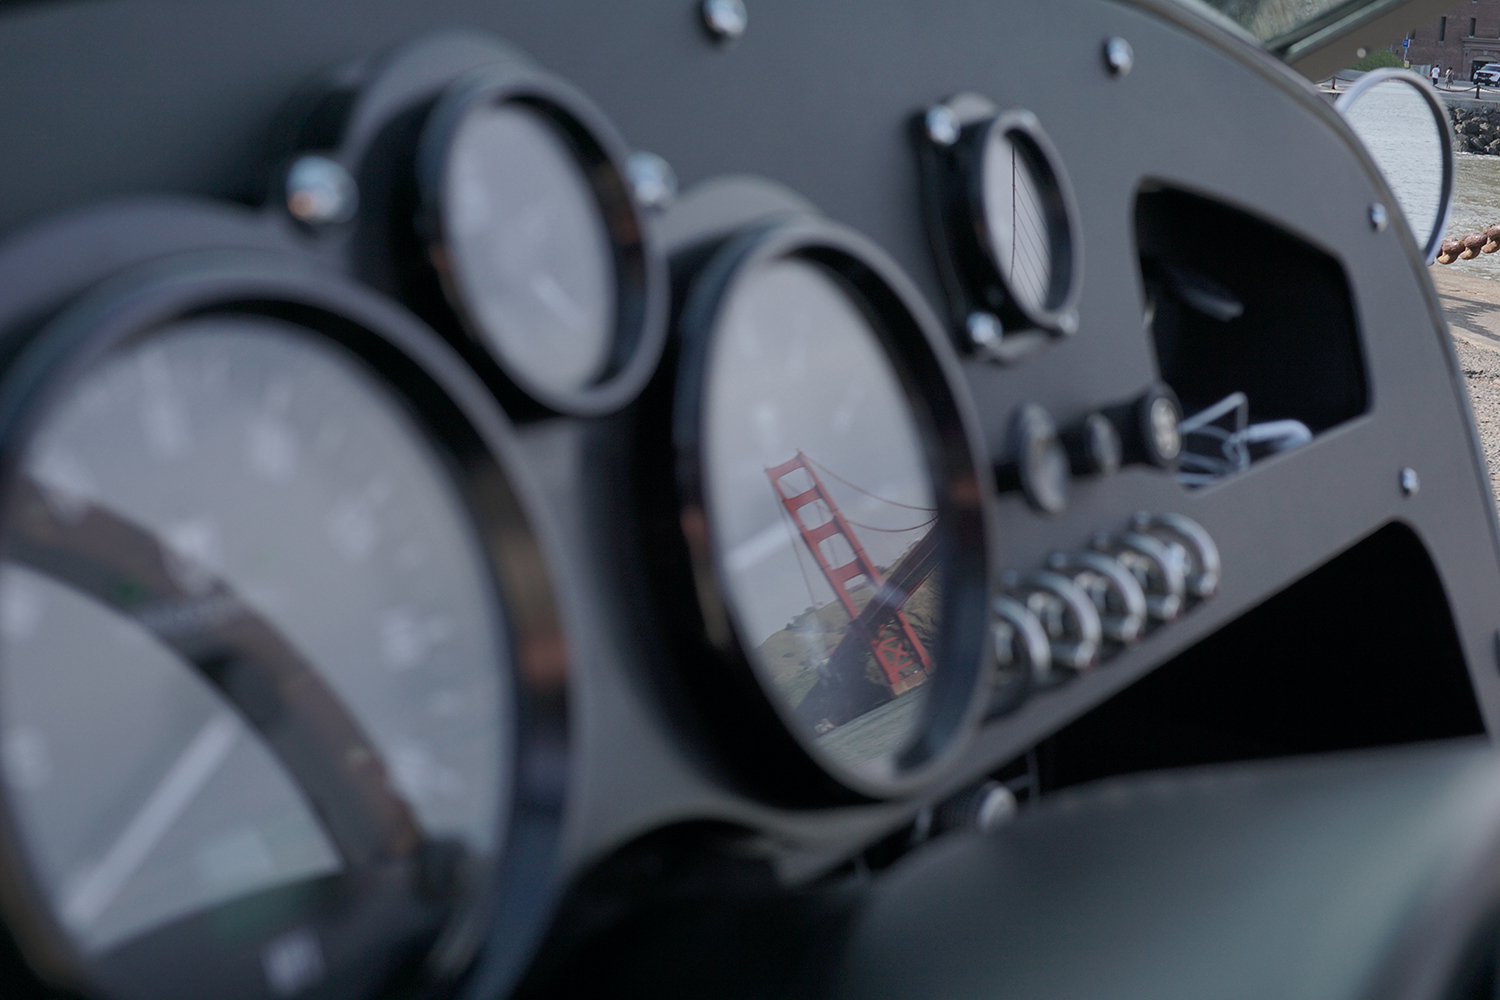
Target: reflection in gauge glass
pixel 823 513
pixel 527 247
pixel 1017 222
pixel 246 638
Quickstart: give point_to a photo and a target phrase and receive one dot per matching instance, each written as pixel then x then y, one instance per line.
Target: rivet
pixel 942 125
pixel 1379 217
pixel 320 192
pixel 1410 483
pixel 1119 57
pixel 1067 323
pixel 652 180
pixel 1361 52
pixel 726 19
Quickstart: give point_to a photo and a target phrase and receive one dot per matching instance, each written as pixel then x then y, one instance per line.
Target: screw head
pixel 1361 52
pixel 1379 217
pixel 726 19
pixel 1410 482
pixel 985 331
pixel 652 180
pixel 320 192
pixel 942 125
pixel 1119 57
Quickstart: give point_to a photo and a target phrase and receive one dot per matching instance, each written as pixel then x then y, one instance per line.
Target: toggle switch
pixel 1199 554
pixel 1111 588
pixel 1067 616
pixel 1155 567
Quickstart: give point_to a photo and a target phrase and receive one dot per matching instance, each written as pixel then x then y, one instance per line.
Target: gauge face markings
pixel 823 510
pixel 529 246
pixel 273 463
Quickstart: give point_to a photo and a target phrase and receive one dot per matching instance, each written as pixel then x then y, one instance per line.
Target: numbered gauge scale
pixel 259 697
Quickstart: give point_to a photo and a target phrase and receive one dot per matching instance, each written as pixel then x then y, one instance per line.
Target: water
pixel 1476 204
pixel 1396 127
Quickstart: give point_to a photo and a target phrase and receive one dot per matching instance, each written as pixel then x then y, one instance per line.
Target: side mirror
pixel 1405 126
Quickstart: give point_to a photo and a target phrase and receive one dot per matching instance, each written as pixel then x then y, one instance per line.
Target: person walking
pixel 1434 74
pixel 1448 78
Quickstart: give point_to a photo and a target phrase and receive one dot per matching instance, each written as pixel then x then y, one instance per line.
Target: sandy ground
pixel 1472 306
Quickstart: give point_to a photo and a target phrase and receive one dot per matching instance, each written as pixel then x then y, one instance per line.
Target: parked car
pixel 763 499
pixel 1488 74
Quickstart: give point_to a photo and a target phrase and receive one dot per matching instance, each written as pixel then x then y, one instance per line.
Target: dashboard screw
pixel 985 331
pixel 1119 57
pixel 652 180
pixel 320 192
pixel 942 125
pixel 726 19
pixel 1409 482
pixel 1379 217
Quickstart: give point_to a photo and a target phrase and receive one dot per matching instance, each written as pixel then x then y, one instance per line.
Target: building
pixel 1464 39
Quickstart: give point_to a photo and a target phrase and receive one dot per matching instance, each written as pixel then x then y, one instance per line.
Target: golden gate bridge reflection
pixel 879 628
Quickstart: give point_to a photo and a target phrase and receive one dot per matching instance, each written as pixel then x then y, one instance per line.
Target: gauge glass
pixel 279 483
pixel 1016 217
pixel 820 497
pixel 528 246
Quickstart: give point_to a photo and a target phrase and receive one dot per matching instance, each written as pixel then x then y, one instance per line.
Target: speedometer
pixel 258 702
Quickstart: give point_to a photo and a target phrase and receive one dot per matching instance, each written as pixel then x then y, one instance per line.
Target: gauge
pixel 1004 225
pixel 258 705
pixel 826 452
pixel 538 242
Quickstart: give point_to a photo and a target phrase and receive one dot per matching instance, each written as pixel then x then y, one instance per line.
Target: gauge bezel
pixel 640 286
pixel 490 935
pixel 955 199
pixel 907 332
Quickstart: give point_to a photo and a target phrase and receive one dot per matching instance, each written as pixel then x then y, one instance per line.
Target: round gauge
pixel 830 464
pixel 538 242
pixel 1005 225
pixel 258 706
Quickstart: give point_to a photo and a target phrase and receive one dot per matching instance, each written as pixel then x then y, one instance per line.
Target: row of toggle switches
pixel 1056 622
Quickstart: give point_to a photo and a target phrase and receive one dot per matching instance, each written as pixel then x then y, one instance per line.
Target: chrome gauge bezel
pixel 987 316
pixel 1431 237
pixel 640 276
pixel 746 710
pixel 491 934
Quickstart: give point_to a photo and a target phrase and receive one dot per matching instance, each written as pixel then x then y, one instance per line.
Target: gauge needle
pixel 91 895
pixel 115 561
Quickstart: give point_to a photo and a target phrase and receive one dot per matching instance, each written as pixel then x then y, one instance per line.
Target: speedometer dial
pixel 257 702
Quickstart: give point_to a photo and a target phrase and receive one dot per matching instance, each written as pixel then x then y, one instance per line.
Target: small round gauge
pixel 1005 225
pixel 257 701
pixel 538 242
pixel 826 453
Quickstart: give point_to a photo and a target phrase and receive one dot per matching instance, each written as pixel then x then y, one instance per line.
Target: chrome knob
pixel 1066 614
pixel 1115 594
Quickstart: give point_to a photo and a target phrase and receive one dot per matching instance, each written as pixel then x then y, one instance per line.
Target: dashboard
pixel 831 499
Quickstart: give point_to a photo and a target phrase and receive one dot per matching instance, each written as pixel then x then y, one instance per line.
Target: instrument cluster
pixel 327 523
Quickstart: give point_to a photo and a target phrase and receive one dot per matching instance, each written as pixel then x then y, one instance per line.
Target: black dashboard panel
pixel 145 133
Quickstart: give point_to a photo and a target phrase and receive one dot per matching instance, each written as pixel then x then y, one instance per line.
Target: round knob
pixel 1155 567
pixel 1066 615
pixel 1038 464
pixel 1023 654
pixel 1114 592
pixel 1189 541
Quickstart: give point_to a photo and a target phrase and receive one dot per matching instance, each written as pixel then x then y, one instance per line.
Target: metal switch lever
pixel 1115 593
